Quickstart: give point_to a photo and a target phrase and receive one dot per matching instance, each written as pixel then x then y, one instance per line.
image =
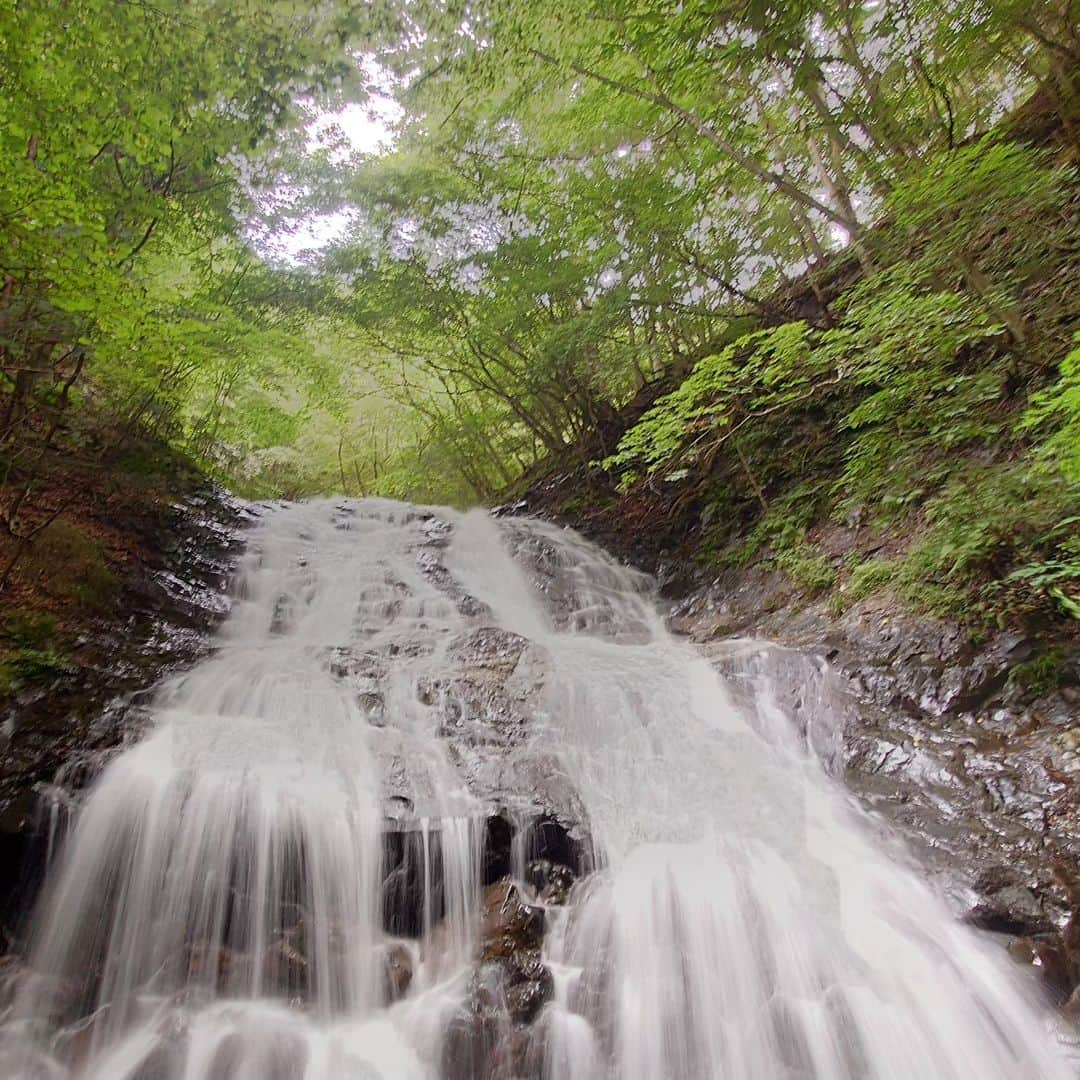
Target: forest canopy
pixel 742 211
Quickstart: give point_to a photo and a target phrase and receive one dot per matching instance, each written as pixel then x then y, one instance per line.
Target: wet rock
pixel 534 836
pixel 552 881
pixel 531 986
pixel 488 693
pixel 165 1059
pixel 516 1057
pixel 1048 953
pixel 995 878
pixel 283 615
pixel 58 1000
pixel 275 1055
pixel 397 971
pixel 1012 909
pixel 971 793
pixel 507 991
pixel 170 603
pixel 470 1037
pixel 214 964
pixel 488 1037
pixel 508 923
pixel 413 861
pixel 429 563
pixel 498 848
pixel 287 967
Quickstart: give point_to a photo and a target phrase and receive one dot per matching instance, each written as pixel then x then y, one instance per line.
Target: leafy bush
pixel 1057 578
pixel 995 541
pixel 901 348
pixel 914 390
pixel 992 210
pixel 895 353
pixel 764 369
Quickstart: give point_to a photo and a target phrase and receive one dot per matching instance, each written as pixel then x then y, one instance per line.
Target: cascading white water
pixel 215 909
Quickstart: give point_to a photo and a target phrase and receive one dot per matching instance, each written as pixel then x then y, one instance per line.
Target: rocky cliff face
pixel 56 735
pixel 980 771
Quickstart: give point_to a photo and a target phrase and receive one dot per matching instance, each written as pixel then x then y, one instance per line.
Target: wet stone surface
pixel 978 778
pixel 495 1032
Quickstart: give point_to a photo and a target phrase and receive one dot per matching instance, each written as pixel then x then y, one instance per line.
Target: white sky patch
pixel 840 236
pixel 608 278
pixel 355 130
pixel 311 235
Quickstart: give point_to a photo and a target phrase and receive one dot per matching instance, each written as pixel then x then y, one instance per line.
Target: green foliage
pixel 992 209
pixel 28 654
pixel 1054 579
pixel 981 555
pixel 582 201
pixel 896 351
pixel 813 573
pixel 586 200
pixel 922 385
pixel 779 530
pixel 37 665
pixel 29 629
pixel 135 138
pixel 1057 411
pixel 904 350
pixel 764 370
pixel 868 577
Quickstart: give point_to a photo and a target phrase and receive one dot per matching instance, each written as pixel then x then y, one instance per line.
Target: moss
pixel 869 576
pixel 38 665
pixel 811 572
pixel 69 564
pixel 29 629
pixel 9 678
pixel 29 652
pixel 1041 674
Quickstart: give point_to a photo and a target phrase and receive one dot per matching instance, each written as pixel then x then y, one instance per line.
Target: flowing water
pixel 311 811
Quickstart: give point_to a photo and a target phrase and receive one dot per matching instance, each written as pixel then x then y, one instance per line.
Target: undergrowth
pixel 29 651
pixel 940 407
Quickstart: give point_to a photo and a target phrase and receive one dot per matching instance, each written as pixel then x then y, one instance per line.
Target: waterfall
pixel 448 801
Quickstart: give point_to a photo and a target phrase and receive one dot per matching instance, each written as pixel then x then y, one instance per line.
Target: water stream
pixel 285 877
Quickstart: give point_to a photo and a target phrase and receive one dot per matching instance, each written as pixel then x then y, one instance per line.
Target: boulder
pixel 508 923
